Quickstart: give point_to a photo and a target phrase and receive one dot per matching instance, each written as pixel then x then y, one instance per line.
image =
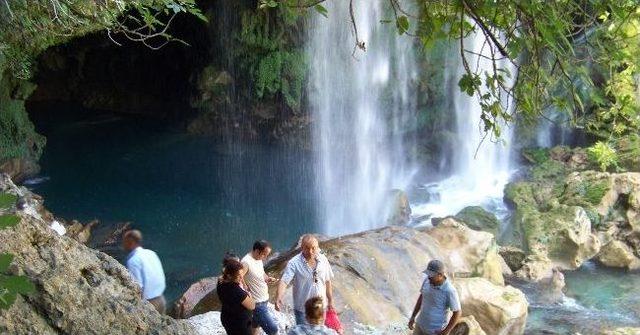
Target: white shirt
pixel 304 285
pixel 146 270
pixel 255 278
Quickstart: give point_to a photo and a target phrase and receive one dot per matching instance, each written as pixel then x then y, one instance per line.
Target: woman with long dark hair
pixel 236 302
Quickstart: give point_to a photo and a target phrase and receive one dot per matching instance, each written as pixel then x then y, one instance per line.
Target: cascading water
pixel 361 104
pixel 481 165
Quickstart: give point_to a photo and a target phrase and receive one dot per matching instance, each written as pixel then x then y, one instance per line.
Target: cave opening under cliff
pixel 95 75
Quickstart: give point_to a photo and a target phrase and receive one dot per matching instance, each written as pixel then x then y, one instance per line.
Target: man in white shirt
pixel 146 269
pixel 311 275
pixel 256 280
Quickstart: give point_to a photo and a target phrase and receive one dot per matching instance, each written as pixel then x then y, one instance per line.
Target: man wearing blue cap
pixel 437 297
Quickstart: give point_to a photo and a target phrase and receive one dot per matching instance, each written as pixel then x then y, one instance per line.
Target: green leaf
pixel 18 284
pixel 7 298
pixel 7 200
pixel 5 261
pixel 322 10
pixel 197 13
pixel 402 23
pixel 8 220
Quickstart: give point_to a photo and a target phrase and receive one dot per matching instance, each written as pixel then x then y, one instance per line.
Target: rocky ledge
pixel 378 275
pixel 78 290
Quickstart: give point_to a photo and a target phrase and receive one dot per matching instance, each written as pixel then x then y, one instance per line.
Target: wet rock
pixel 476 217
pixel 498 309
pixel 81 232
pixel 619 255
pixel 535 268
pixel 199 298
pixel 20 169
pixel 471 253
pixel 513 256
pixel 400 209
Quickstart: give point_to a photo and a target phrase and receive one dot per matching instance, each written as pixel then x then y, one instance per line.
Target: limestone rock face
pixel 619 255
pixel 563 234
pixel 78 290
pixel 499 310
pixel 471 253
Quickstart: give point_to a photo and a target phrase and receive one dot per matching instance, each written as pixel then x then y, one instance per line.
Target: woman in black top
pixel 236 302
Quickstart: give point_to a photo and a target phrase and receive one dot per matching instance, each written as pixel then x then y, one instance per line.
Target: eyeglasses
pixel 315 276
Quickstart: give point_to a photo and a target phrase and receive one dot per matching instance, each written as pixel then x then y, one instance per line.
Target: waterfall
pixel 481 164
pixel 362 104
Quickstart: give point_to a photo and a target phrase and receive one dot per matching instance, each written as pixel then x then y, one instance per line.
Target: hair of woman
pixel 314 309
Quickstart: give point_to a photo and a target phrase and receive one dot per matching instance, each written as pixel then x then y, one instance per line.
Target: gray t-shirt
pixel 437 301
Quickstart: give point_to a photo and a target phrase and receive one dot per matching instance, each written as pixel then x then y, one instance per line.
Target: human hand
pixel 279 305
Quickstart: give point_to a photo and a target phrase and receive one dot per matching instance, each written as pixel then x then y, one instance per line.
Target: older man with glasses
pixel 437 298
pixel 311 275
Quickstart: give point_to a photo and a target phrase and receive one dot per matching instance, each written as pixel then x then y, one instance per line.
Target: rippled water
pixel 596 299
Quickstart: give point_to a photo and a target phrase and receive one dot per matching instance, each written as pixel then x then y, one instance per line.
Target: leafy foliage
pixel 268 51
pixel 7 200
pixel 10 286
pixel 578 57
pixel 603 154
pixel 8 221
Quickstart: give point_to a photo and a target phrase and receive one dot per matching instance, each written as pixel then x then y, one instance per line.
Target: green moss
pixel 18 137
pixel 549 170
pixel 585 193
pixel 478 218
pixel 536 155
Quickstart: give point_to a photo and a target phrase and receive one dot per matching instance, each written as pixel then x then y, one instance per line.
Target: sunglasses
pixel 315 276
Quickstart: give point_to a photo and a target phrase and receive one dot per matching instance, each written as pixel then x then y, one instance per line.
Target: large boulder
pixel 378 273
pixel 472 253
pixel 78 290
pixel 500 310
pixel 478 218
pixel 563 234
pixel 619 255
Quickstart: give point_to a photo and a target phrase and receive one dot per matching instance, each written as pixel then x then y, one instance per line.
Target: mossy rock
pixel 549 170
pixel 563 233
pixel 477 218
pixel 518 194
pixel 586 189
